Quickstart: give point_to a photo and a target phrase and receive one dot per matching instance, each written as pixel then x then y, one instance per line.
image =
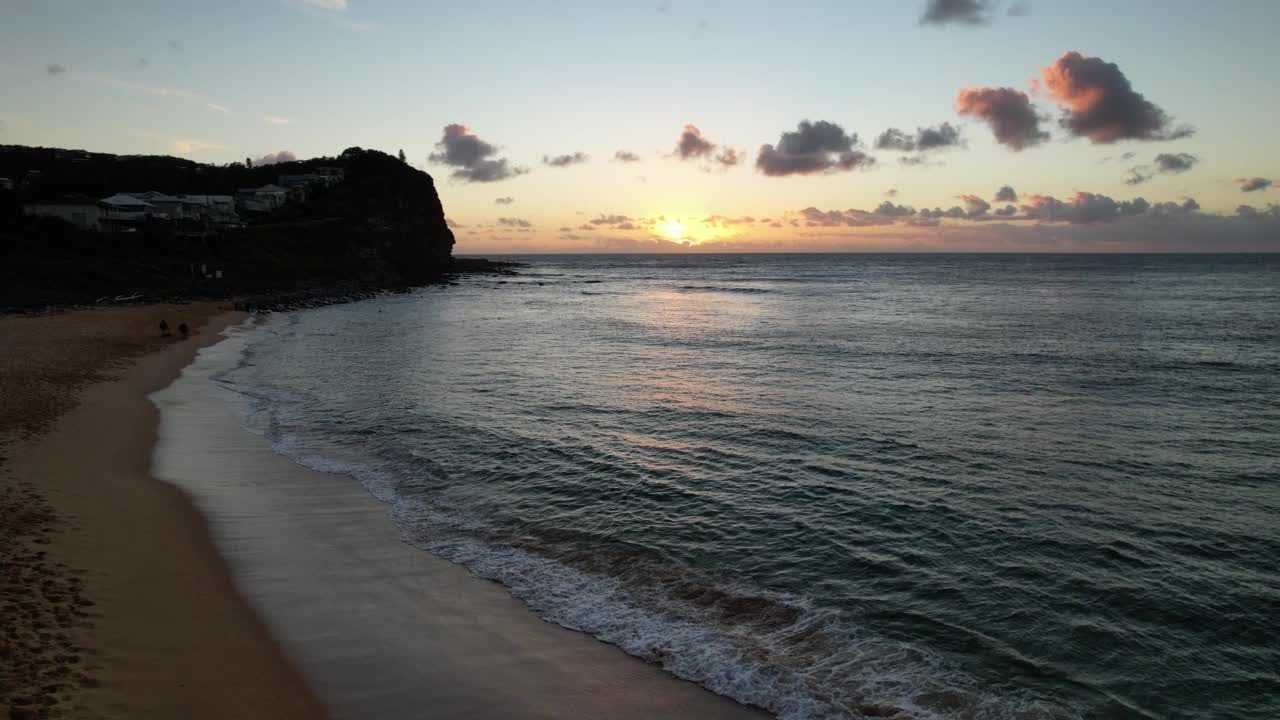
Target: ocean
pixel 946 486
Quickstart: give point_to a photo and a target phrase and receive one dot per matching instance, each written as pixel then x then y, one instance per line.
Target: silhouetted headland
pixel 88 228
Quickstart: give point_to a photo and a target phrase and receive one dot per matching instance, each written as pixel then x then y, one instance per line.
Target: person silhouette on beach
pixel 183 329
pixel 164 328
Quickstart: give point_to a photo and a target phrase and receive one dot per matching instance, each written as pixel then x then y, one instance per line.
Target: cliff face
pixel 387 196
pixel 382 226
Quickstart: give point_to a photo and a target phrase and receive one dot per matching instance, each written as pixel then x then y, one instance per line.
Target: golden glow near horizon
pixel 673 229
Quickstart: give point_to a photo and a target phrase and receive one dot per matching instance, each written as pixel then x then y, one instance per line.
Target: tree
pixel 402 159
pixel 248 162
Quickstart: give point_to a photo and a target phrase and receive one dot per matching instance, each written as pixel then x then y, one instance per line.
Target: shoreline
pixel 145 610
pixel 126 608
pixel 381 628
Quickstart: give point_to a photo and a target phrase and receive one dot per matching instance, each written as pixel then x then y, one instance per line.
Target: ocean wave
pixel 776 651
pixel 720 288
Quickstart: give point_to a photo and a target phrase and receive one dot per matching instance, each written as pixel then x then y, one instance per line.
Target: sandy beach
pixel 303 603
pixel 115 603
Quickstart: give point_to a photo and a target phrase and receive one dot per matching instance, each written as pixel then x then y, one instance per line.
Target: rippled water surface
pixel 941 486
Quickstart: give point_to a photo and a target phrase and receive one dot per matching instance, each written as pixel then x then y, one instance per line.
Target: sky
pixel 664 125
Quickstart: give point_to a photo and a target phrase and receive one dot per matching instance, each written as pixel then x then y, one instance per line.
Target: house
pixel 300 185
pixel 332 175
pixel 261 200
pixel 217 209
pixel 123 213
pixel 277 195
pixel 163 206
pixel 79 210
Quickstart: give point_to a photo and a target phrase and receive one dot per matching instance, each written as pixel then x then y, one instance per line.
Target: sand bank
pixel 114 601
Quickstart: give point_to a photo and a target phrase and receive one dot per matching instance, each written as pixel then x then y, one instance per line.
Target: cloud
pixel 1253 184
pixel 1165 164
pixel 565 160
pixel 1101 105
pixel 504 200
pixel 895 139
pixel 1084 222
pixel 813 217
pixel 692 145
pixel 1249 212
pixel 944 136
pixel 1137 176
pixel 55 68
pixel 926 138
pixel 917 161
pixel 1019 9
pixel 1176 162
pixel 515 222
pixel 974 206
pixel 472 157
pixel 1082 207
pixel 219 108
pixel 617 222
pixel 891 192
pixel 335 5
pixel 1006 194
pixel 814 147
pixel 888 209
pixel 728 157
pixel 958 12
pixel 182 147
pixel 1009 112
pixel 143 63
pixel 624 156
pixel 273 158
pixel 1164 227
pixel 955 212
pixel 277 119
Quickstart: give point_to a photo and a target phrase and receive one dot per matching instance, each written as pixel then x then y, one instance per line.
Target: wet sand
pixel 114 602
pixel 379 628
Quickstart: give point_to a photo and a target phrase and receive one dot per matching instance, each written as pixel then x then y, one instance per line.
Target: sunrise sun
pixel 673 229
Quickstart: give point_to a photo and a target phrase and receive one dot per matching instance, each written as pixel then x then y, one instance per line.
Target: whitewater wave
pixel 775 651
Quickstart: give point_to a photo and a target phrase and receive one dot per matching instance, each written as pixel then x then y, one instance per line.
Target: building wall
pixel 85 216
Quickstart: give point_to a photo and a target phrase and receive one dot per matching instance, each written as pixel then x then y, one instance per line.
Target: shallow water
pixel 961 486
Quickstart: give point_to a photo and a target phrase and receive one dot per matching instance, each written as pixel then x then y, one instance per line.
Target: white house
pixel 170 206
pixel 121 213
